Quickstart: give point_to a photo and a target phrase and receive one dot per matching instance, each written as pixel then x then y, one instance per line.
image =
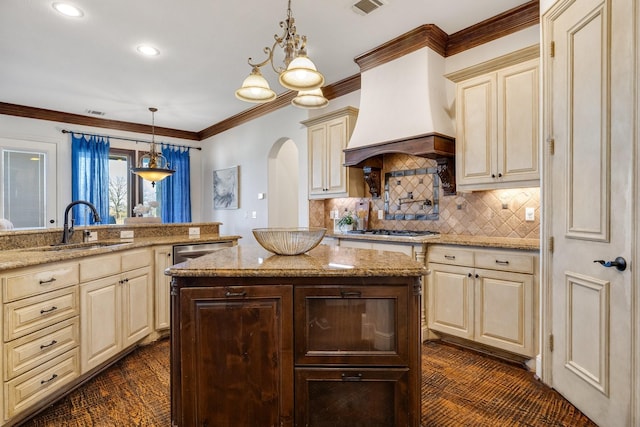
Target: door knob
pixel 619 263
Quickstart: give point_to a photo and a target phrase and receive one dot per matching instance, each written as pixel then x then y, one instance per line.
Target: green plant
pixel 346 219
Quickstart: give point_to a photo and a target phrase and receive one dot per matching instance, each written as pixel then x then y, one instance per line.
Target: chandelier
pixel 299 72
pixel 153 166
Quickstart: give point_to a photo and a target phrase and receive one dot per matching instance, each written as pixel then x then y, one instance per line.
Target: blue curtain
pixel 175 190
pixel 90 176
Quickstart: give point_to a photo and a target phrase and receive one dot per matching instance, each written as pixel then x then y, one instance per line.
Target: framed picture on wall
pixel 225 188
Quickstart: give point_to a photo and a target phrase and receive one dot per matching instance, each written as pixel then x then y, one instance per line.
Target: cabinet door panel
pixel 504 311
pixel 236 352
pixel 518 122
pixel 136 306
pixel 317 160
pixel 476 101
pixel 337 141
pixel 450 293
pixel 100 321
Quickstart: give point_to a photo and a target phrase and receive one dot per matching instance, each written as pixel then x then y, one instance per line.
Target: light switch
pixel 380 214
pixel 260 196
pixel 126 234
pixel 254 214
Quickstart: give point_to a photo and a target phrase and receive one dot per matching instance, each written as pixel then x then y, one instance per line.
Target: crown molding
pixel 78 119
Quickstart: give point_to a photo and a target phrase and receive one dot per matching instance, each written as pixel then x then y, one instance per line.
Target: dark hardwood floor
pixel 459 388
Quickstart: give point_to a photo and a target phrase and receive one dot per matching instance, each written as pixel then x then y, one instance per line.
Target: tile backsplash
pixel 496 213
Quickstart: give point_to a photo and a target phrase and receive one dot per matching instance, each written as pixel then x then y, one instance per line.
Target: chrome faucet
pixel 67 231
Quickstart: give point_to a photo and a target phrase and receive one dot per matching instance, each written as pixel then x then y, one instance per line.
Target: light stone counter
pixel 323 261
pixel 25 257
pixel 451 239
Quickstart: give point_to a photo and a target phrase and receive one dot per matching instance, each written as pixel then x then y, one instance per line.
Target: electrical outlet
pixel 254 214
pixel 529 214
pixel 126 234
pixel 194 231
pixel 380 214
pixel 92 236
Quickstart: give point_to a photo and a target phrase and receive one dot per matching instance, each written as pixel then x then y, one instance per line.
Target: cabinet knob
pixel 493 175
pixel 469 275
pixel 477 275
pixel 499 175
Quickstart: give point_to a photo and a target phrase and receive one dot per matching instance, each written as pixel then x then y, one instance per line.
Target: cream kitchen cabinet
pixel 484 295
pixel 328 136
pixel 163 260
pixel 116 304
pixel 497 123
pixel 40 334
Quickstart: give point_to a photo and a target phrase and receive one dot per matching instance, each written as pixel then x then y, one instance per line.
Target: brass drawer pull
pixel 46 282
pixel 43 311
pixel 43 346
pixel 357 377
pixel 502 262
pixel 352 294
pixel 230 294
pixel 53 377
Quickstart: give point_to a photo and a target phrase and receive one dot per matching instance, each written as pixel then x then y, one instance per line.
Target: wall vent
pixel 365 7
pixel 96 113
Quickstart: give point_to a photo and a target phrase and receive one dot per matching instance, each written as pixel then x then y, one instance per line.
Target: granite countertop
pixel 450 239
pixel 25 257
pixel 323 261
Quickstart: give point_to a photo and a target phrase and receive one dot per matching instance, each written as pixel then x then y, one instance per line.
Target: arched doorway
pixel 282 195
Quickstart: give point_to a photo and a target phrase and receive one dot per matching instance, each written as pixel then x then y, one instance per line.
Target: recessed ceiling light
pixel 68 10
pixel 147 50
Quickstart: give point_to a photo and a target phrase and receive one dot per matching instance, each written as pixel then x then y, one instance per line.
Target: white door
pixel 588 203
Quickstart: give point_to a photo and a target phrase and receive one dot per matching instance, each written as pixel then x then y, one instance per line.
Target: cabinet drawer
pixel 99 266
pixel 506 261
pixel 351 325
pixel 34 349
pixel 450 255
pixel 27 282
pixel 332 396
pixel 26 390
pixel 137 258
pixel 34 313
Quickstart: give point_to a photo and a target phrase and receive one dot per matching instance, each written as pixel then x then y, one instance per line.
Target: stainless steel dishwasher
pixel 186 252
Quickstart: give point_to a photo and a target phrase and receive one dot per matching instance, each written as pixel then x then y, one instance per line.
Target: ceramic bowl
pixel 289 241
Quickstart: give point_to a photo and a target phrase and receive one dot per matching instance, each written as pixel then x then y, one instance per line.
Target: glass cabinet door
pixel 351 325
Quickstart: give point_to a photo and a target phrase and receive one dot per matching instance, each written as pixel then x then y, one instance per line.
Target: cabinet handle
pixel 502 262
pixel 352 294
pixel 53 377
pixel 356 377
pixel 230 294
pixel 451 257
pixel 43 311
pixel 43 346
pixel 46 282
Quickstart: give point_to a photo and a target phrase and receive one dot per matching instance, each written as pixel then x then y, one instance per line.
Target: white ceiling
pixel 77 64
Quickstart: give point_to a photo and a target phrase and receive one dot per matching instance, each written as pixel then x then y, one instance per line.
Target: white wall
pixel 21 128
pixel 248 146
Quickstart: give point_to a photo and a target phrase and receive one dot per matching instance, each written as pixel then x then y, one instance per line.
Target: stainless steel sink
pixel 78 247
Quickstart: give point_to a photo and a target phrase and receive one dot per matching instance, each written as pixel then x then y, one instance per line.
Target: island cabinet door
pixel 235 364
pixel 365 397
pixel 365 325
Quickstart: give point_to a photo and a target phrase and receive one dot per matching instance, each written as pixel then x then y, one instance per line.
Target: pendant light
pixel 153 166
pixel 299 72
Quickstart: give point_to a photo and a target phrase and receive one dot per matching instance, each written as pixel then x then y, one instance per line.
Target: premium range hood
pixel 403 106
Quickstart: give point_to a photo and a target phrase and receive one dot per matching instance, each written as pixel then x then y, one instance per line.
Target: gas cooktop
pixel 385 232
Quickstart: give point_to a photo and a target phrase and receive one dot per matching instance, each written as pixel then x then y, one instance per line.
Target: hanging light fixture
pixel 153 166
pixel 299 72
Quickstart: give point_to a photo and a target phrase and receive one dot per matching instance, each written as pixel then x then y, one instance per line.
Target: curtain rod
pixel 124 138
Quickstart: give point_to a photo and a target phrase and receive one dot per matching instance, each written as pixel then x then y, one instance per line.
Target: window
pixel 28 183
pixel 121 194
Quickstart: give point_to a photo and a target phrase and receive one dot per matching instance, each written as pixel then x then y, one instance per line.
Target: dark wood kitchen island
pixel 328 338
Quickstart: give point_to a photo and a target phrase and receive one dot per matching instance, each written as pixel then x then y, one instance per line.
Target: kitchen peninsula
pixel 327 338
